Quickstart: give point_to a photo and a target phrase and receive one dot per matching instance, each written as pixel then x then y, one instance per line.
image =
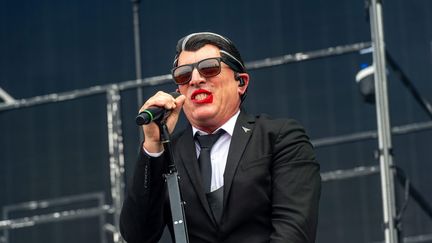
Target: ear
pixel 240 79
pixel 243 79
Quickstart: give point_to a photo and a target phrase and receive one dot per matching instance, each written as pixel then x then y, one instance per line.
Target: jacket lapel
pixel 188 158
pixel 241 135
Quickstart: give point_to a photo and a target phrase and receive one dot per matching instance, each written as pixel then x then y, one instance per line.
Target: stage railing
pixel 71 209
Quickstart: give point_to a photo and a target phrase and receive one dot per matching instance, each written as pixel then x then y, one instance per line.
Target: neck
pixel 209 127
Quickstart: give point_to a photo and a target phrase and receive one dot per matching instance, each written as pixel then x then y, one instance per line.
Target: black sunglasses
pixel 208 67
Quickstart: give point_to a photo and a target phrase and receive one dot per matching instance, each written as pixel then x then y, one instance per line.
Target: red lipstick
pixel 204 96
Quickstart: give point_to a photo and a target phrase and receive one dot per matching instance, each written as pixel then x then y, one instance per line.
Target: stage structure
pixel 116 161
pixel 112 208
pixel 391 233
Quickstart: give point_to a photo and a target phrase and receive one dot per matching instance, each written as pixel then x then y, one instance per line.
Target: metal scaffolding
pixel 115 139
pixel 383 121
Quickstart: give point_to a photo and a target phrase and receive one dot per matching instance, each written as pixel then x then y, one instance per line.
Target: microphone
pixel 153 113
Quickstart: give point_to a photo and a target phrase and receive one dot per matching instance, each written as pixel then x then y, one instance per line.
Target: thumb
pixel 173 117
pixel 179 103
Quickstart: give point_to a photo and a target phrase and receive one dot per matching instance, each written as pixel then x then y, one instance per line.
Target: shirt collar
pixel 228 127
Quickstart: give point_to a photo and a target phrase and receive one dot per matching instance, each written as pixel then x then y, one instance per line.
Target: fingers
pixel 151 131
pixel 168 102
pixel 179 101
pixel 160 99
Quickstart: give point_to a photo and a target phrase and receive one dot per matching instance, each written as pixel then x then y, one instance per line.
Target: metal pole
pixel 422 101
pixel 167 78
pixel 116 157
pixel 137 44
pixel 171 177
pixel 5 237
pixel 6 97
pixel 383 120
pixel 102 219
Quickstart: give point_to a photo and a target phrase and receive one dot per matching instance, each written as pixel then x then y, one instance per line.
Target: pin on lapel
pixel 246 130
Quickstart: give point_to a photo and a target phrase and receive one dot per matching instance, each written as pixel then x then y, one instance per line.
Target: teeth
pixel 201 96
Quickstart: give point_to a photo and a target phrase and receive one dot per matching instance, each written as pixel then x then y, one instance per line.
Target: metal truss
pixel 68 212
pixel 115 139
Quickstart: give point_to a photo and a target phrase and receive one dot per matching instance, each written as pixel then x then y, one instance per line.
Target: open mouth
pixel 202 96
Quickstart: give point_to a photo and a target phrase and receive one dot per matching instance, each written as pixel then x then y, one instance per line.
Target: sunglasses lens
pixel 182 74
pixel 209 68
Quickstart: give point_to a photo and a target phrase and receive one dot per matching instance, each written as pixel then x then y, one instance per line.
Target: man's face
pixel 210 102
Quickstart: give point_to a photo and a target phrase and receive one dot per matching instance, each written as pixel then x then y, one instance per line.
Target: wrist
pixel 153 147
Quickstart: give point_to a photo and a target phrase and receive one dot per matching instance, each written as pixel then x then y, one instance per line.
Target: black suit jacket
pixel 271 188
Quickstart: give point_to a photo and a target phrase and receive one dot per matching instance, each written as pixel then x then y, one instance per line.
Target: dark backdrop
pixel 61 149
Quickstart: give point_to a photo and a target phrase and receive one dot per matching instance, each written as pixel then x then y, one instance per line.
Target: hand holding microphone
pixel 154 113
pixel 160 106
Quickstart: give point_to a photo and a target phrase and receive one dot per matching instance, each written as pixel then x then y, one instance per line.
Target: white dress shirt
pixel 219 151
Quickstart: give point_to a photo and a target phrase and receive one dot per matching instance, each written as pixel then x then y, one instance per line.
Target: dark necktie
pixel 206 142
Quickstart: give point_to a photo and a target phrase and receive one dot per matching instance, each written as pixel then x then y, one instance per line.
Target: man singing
pixel 243 178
